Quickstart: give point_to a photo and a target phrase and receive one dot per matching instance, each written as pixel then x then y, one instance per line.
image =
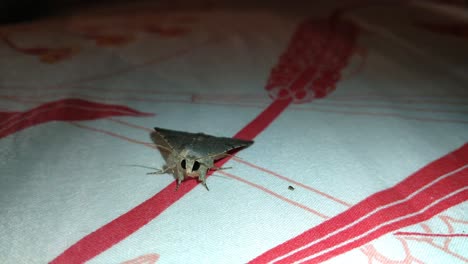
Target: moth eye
pixel 183 164
pixel 196 166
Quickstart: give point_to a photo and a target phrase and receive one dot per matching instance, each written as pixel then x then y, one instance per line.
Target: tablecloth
pixel 358 111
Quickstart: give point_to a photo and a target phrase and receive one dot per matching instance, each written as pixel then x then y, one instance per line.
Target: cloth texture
pixel 358 111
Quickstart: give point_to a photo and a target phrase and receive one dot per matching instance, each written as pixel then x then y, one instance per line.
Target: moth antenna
pixel 157 171
pixel 141 166
pixel 220 168
pixel 166 149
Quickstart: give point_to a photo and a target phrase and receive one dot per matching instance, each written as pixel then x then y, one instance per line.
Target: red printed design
pixel 312 64
pixel 436 187
pixel 145 259
pixel 46 55
pixel 166 31
pixel 110 40
pixel 61 110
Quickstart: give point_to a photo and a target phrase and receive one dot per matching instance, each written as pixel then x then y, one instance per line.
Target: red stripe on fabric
pixel 436 209
pixel 7 115
pixel 413 234
pixel 251 130
pixel 424 176
pixel 384 217
pixel 62 110
pixel 126 224
pixel 123 226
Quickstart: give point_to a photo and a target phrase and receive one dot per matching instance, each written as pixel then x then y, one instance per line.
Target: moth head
pixel 191 166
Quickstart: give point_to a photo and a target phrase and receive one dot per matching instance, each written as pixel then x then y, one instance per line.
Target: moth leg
pixel 180 177
pixel 179 181
pixel 161 171
pixel 202 178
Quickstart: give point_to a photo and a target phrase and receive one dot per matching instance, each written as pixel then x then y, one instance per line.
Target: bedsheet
pixel 358 112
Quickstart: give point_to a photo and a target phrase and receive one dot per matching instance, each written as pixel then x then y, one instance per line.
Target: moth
pixel 192 155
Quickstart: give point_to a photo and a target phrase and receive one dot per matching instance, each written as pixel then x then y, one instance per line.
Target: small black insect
pixel 291 188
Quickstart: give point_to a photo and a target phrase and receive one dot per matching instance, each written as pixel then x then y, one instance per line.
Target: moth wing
pixel 177 140
pixel 215 147
pixel 199 144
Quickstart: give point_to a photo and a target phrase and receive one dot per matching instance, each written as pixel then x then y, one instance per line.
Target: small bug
pixel 291 188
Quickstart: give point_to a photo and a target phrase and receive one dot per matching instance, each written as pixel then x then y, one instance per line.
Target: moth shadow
pixel 161 145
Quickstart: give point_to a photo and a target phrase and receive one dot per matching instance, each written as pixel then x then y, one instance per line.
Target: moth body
pixel 192 155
